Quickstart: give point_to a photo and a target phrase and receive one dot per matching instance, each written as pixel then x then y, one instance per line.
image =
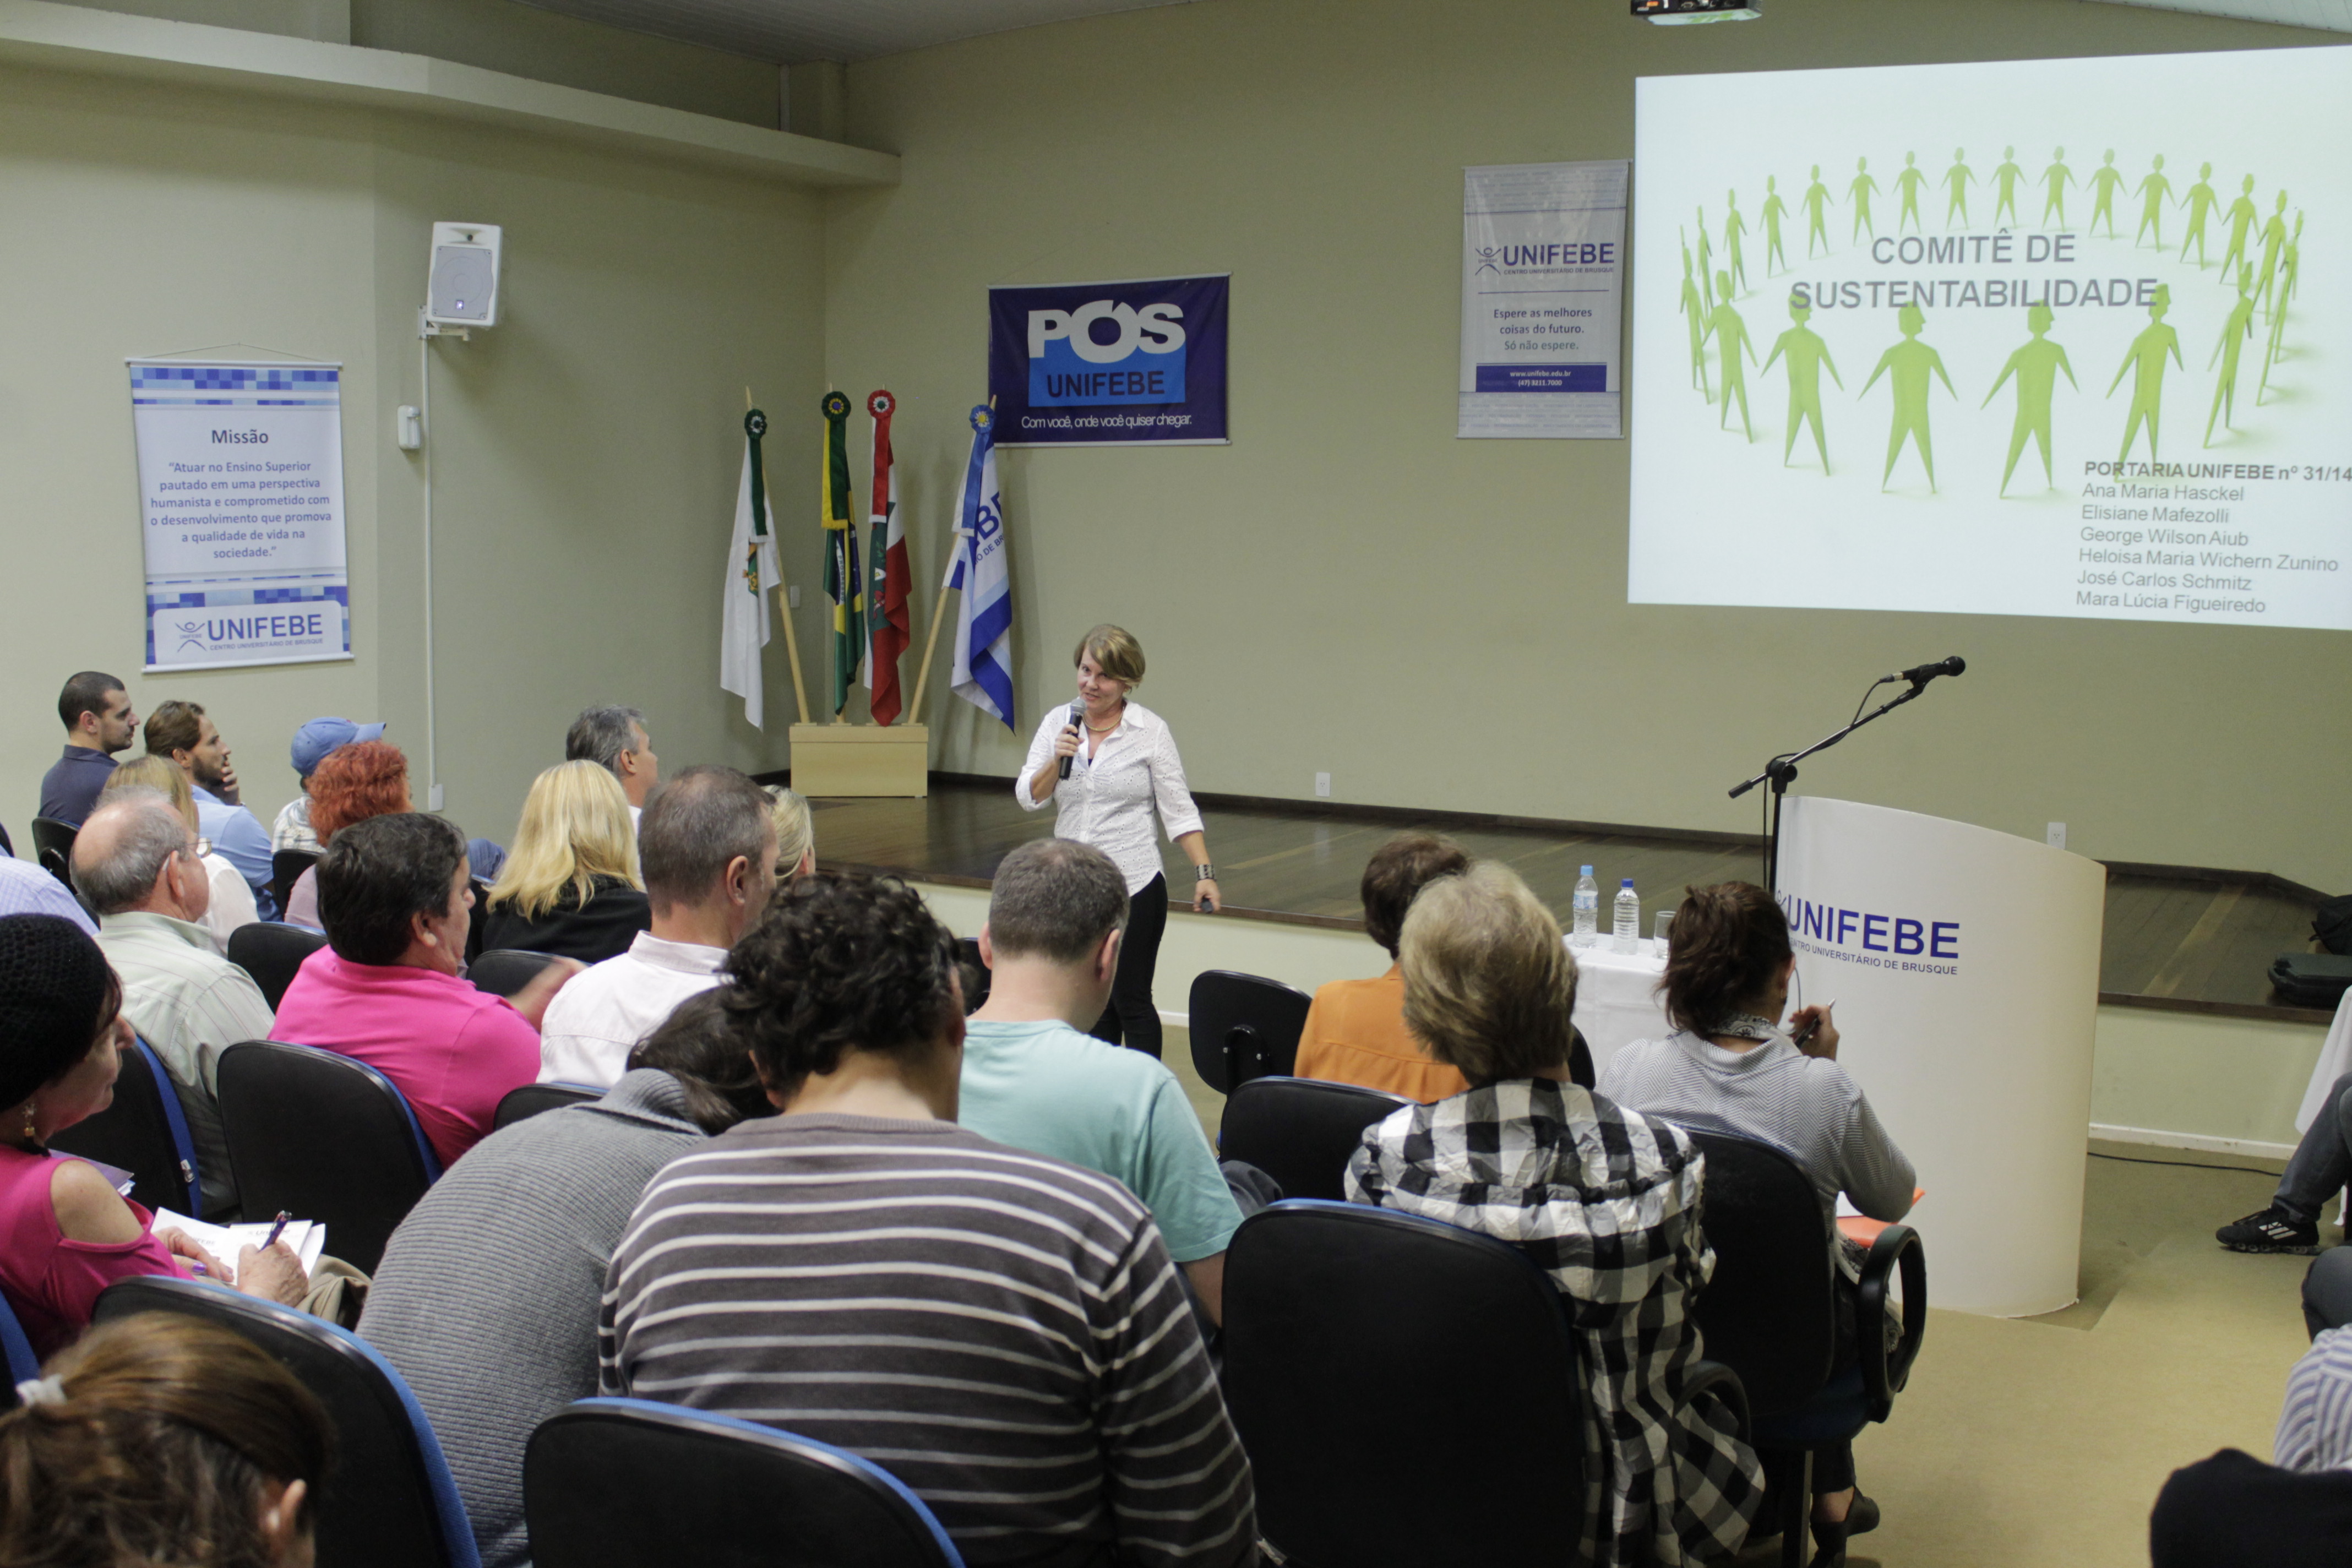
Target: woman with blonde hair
pixel 570 884
pixel 796 835
pixel 232 904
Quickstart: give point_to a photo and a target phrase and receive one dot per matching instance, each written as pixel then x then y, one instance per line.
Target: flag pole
pixel 939 615
pixel 784 608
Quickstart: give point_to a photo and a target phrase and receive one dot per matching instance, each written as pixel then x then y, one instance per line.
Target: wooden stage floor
pixel 2178 938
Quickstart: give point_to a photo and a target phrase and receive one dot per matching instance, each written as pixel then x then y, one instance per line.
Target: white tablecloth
pixel 2335 1061
pixel 1616 998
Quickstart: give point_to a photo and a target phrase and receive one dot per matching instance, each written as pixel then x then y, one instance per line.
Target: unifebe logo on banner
pixel 1089 364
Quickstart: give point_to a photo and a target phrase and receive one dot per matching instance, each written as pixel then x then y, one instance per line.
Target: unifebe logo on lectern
pixel 1910 943
pixel 1085 363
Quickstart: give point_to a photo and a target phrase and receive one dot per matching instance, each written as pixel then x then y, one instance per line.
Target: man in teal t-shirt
pixel 1034 1077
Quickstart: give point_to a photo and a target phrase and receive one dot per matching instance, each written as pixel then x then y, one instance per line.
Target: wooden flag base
pixel 862 760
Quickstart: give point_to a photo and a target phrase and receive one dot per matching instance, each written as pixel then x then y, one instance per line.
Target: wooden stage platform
pixel 2180 938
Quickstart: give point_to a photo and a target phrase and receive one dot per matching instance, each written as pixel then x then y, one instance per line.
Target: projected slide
pixel 2051 338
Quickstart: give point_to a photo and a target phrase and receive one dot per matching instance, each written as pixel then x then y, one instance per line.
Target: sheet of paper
pixel 307 1237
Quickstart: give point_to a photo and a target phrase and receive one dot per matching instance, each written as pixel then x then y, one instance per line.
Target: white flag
pixel 752 571
pixel 982 673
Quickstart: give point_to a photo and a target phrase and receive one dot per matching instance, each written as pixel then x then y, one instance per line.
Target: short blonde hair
pixel 162 776
pixel 576 828
pixel 1488 983
pixel 1115 652
pixel 795 831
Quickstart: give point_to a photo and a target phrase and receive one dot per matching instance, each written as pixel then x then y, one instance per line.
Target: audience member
pixel 27 890
pixel 314 742
pixel 135 862
pixel 2295 1512
pixel 162 1439
pixel 571 885
pixel 182 732
pixel 386 988
pixel 1728 1066
pixel 1003 1331
pixel 232 901
pixel 708 844
pixel 2328 1291
pixel 65 1233
pixel 352 784
pixel 1355 1030
pixel 529 1220
pixel 1604 1199
pixel 616 737
pixel 2319 1169
pixel 1034 1077
pixel 99 722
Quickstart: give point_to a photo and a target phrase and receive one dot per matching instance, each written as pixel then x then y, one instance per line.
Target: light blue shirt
pixel 238 838
pixel 26 889
pixel 1050 1089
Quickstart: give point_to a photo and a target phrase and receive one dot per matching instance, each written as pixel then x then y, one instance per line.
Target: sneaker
pixel 2271 1230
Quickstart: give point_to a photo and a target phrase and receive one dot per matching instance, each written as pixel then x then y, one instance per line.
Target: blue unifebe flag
pixel 982 671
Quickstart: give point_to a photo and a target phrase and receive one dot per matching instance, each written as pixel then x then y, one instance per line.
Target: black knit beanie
pixel 54 986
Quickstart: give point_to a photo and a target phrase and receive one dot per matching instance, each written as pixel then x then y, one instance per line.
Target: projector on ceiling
pixel 1686 13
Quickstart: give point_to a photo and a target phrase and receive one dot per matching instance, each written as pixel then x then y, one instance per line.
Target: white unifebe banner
pixel 1543 251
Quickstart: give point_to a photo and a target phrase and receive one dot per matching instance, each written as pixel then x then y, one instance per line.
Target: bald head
pixel 136 853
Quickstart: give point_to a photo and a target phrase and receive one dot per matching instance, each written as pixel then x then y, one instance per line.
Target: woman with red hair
pixel 364 779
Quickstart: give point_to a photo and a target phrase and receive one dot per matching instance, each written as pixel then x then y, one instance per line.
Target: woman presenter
pixel 1121 760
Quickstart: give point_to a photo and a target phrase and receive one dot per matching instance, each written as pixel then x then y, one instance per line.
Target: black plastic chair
pixel 1342 1321
pixel 286 869
pixel 532 1098
pixel 1770 1314
pixel 271 951
pixel 981 979
pixel 389 1501
pixel 1302 1131
pixel 503 971
pixel 629 1483
pixel 1243 1026
pixel 145 1132
pixel 6 848
pixel 53 843
pixel 324 1137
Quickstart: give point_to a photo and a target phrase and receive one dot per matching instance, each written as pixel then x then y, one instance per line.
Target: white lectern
pixel 1965 967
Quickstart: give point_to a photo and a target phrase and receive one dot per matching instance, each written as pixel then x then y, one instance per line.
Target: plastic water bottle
pixel 1588 911
pixel 1629 918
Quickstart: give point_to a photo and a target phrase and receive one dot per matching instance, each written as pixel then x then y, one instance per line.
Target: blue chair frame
pixel 189 1199
pixel 23 1364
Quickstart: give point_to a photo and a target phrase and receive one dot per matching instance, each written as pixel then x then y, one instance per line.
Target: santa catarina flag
pixel 841 584
pixel 752 571
pixel 982 672
pixel 886 611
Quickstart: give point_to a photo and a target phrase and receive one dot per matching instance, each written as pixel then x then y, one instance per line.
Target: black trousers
pixel 1131 1019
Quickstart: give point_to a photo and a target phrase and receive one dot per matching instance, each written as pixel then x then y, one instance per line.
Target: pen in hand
pixel 1811 1025
pixel 277 1229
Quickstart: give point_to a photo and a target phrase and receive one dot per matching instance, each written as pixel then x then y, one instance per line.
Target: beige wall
pixel 1347 588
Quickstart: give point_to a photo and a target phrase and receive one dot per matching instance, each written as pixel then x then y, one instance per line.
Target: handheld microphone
pixel 1920 674
pixel 1077 717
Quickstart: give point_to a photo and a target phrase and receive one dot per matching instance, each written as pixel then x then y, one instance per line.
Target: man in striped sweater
pixel 1002 1331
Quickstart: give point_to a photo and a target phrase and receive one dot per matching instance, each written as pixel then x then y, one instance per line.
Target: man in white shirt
pixel 135 861
pixel 616 737
pixel 707 849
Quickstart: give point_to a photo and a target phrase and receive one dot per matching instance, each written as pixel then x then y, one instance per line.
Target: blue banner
pixel 1087 364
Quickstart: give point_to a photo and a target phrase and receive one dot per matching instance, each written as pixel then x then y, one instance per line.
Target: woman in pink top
pixel 65 1234
pixel 388 988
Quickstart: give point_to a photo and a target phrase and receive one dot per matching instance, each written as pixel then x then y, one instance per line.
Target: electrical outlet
pixel 792 596
pixel 2055 835
pixel 410 431
pixel 1323 787
pixel 433 798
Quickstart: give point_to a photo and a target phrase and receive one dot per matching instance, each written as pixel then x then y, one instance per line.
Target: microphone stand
pixel 1782 769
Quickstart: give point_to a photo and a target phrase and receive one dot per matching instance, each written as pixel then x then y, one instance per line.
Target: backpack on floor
pixel 2311 979
pixel 2332 924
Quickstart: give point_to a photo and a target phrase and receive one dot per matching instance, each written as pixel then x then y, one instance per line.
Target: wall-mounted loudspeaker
pixel 463 290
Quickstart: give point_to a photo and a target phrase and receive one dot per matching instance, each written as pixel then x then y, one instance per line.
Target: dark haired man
pixel 1003 1331
pixel 184 734
pixel 96 712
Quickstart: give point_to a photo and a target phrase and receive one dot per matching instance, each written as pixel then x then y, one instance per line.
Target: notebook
pixel 307 1237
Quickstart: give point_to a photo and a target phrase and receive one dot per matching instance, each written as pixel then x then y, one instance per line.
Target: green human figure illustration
pixel 1817 199
pixel 2152 192
pixel 1908 182
pixel 2036 366
pixel 1705 262
pixel 2290 261
pixel 1906 366
pixel 1734 225
pixel 2235 333
pixel 1694 308
pixel 1773 210
pixel 2202 202
pixel 1730 334
pixel 2242 213
pixel 2005 180
pixel 2273 240
pixel 1956 180
pixel 1808 357
pixel 1861 188
pixel 2106 180
pixel 2146 355
pixel 2056 178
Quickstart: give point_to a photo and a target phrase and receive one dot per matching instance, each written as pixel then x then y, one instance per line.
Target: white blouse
pixel 1107 801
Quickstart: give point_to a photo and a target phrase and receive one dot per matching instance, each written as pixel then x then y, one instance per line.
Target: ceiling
pixel 2334 15
pixel 790 31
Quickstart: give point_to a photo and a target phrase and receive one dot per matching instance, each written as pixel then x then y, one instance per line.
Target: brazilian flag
pixel 844 584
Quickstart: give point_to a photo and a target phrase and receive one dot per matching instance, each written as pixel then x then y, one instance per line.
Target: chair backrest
pixel 1343 1319
pixel 53 843
pixel 6 848
pixel 1302 1131
pixel 975 996
pixel 628 1483
pixel 271 951
pixel 17 1350
pixel 503 971
pixel 1769 1312
pixel 1243 1026
pixel 286 869
pixel 522 1104
pixel 145 1132
pixel 324 1137
pixel 389 1501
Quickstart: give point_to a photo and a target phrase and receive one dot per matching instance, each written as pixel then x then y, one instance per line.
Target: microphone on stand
pixel 1077 717
pixel 1920 674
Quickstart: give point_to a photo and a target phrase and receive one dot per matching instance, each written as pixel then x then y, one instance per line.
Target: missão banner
pixel 1091 364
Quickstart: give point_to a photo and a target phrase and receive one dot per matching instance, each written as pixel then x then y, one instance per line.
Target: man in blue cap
pixel 312 741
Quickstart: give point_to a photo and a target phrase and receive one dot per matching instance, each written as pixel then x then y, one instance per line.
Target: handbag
pixel 2311 979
